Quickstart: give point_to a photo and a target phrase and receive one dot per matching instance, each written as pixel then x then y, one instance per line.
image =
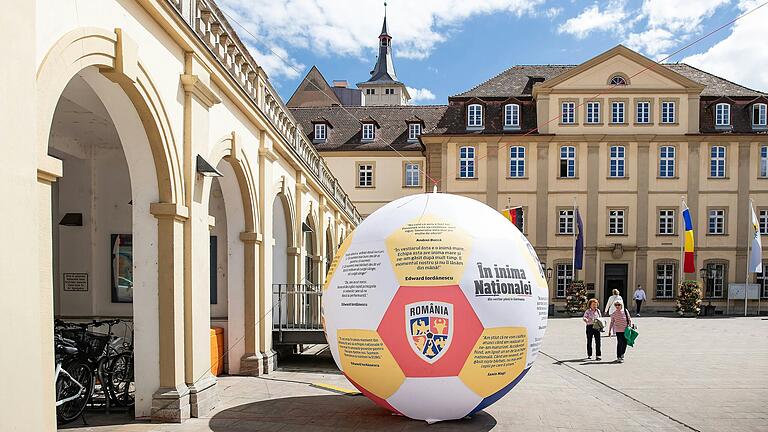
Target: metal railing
pixel 297 307
pixel 210 24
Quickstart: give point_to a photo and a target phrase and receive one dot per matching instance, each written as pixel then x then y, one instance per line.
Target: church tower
pixel 383 88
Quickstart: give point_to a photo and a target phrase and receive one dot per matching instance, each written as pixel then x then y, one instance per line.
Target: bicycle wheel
pixel 120 380
pixel 71 410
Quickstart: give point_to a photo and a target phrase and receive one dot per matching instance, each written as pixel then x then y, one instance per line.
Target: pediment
pixel 640 73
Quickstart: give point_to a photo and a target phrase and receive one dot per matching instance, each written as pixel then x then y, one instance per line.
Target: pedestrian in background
pixel 610 308
pixel 620 320
pixel 639 297
pixel 590 316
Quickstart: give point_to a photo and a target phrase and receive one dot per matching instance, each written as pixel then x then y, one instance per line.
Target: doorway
pixel 615 276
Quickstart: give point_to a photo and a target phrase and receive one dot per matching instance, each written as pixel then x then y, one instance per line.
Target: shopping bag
pixel 630 335
pixel 600 324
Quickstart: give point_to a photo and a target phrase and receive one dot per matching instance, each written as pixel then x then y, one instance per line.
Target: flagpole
pixel 575 227
pixel 749 244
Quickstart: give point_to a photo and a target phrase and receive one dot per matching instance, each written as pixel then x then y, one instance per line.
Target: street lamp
pixel 550 272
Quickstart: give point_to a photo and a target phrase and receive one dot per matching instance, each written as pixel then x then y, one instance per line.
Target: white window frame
pixel 365 175
pixel 667 161
pixel 722 115
pixel 369 131
pixel 517 161
pixel 618 112
pixel 665 280
pixel 568 155
pixel 412 174
pixel 716 221
pixel 593 112
pixel 666 222
pixel 759 121
pixel 617 162
pixel 564 277
pixel 668 112
pixel 414 130
pixel 568 113
pixel 565 221
pixel 717 161
pixel 616 221
pixel 762 217
pixel 320 132
pixel 512 115
pixel 762 280
pixel 474 116
pixel 466 162
pixel 389 91
pixel 617 80
pixel 763 161
pixel 643 112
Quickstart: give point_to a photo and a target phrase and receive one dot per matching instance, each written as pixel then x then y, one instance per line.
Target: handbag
pixel 598 325
pixel 630 334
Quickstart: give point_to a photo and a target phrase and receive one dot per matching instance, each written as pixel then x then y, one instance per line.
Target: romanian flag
pixel 515 215
pixel 689 266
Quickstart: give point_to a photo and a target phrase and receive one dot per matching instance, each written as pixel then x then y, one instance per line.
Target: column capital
pixel 194 85
pixel 268 153
pixel 175 211
pixel 251 237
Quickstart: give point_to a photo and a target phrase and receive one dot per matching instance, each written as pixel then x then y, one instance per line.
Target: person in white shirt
pixel 639 297
pixel 609 306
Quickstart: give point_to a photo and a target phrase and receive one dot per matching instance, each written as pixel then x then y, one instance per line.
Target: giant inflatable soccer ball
pixel 435 306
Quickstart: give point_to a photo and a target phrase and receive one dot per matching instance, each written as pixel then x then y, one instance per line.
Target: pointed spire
pixel 384 30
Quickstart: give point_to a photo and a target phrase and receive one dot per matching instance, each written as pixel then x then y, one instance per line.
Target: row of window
pixel 616 161
pixel 618 113
pixel 366 174
pixel 666 279
pixel 667 223
pixel 368 132
pixel 372 91
pixel 511 116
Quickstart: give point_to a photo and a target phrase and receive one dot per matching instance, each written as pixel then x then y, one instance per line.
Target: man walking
pixel 639 297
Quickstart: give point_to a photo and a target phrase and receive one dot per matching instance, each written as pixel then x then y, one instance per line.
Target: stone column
pixel 171 401
pixel 252 361
pixel 198 99
pixel 741 211
pixel 542 205
pixel 492 168
pixel 267 157
pixel 694 148
pixel 590 239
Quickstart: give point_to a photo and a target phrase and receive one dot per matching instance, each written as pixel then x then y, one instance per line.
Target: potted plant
pixel 689 299
pixel 576 298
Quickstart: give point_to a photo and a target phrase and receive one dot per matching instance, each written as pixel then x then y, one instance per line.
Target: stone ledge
pixel 171 404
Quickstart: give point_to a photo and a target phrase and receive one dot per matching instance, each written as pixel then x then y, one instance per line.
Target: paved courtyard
pixel 683 375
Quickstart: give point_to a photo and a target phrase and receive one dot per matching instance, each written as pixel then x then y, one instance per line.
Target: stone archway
pixel 107 61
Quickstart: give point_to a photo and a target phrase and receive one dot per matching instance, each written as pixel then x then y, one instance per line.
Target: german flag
pixel 515 215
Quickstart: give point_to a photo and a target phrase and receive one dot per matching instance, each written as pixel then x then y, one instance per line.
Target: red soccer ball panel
pixel 430 331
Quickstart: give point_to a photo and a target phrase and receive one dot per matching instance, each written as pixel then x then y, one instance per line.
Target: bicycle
pixel 73 381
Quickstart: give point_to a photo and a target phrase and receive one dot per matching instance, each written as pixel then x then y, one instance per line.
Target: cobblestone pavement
pixel 682 375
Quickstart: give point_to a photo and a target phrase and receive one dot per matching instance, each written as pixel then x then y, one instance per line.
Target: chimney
pixel 340 83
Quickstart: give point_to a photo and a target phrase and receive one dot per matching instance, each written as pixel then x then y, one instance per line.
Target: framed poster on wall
pixel 122 268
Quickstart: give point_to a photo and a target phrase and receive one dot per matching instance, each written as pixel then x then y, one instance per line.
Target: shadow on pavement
pixel 331 413
pixel 94 418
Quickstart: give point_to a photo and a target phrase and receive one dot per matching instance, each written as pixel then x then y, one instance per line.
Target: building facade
pixel 625 140
pixel 155 176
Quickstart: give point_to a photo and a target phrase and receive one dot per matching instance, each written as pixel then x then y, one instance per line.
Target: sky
pixel 444 47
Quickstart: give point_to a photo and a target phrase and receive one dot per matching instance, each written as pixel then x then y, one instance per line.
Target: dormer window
pixel 414 130
pixel 320 132
pixel 368 131
pixel 722 115
pixel 475 116
pixel 511 116
pixel 617 80
pixel 759 116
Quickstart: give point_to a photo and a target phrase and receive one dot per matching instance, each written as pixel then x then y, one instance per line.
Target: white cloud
pixel 351 27
pixel 553 12
pixel 419 95
pixel 593 19
pixel 669 23
pixel 741 57
pixel 276 62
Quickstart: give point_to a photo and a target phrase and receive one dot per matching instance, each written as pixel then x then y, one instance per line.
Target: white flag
pixel 756 255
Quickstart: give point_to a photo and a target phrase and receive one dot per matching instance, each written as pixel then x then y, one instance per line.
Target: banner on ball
pixel 435 306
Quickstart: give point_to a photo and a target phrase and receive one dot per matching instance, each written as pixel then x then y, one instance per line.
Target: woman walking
pixel 620 320
pixel 610 308
pixel 590 315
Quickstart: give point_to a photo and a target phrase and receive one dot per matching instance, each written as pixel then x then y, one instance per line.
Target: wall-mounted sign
pixel 75 281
